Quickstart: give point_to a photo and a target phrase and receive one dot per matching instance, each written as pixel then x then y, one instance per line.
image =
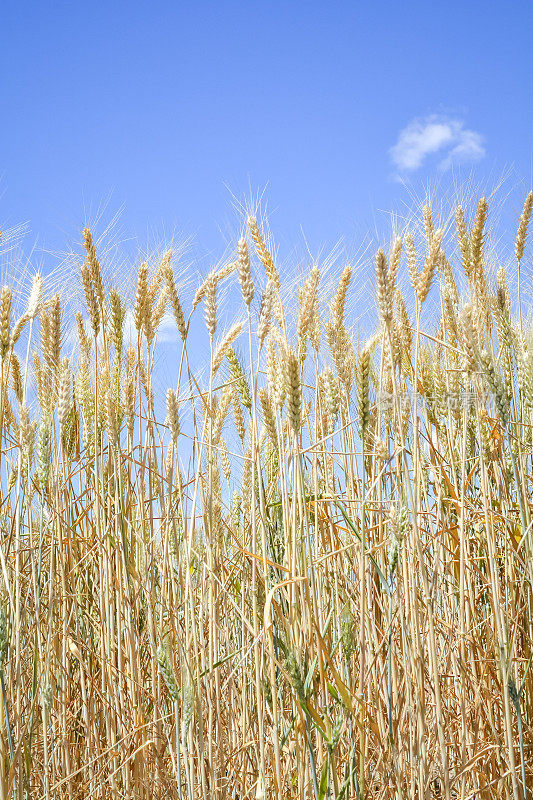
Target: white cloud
pixel 425 136
pixel 166 332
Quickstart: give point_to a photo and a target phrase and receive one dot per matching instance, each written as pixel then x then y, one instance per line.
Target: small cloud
pixel 166 332
pixel 425 136
pixel 130 332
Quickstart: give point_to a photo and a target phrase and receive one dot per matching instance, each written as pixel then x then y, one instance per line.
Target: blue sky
pixel 172 111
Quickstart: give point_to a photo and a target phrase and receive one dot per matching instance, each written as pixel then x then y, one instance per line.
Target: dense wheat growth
pixel 303 570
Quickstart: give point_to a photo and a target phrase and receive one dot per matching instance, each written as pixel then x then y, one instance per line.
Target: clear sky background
pixel 172 110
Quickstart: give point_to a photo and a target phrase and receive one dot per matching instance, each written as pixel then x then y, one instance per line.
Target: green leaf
pixel 327 623
pixel 336 735
pixel 322 789
pixel 333 692
pixel 27 759
pixel 289 729
pixel 309 677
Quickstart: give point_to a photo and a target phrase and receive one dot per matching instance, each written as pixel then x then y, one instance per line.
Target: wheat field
pixel 303 570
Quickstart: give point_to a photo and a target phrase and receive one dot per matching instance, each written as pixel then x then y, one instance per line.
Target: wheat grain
pixel 5 320
pixel 245 272
pixel 263 253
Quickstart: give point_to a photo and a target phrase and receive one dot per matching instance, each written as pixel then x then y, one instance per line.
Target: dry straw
pixel 300 572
